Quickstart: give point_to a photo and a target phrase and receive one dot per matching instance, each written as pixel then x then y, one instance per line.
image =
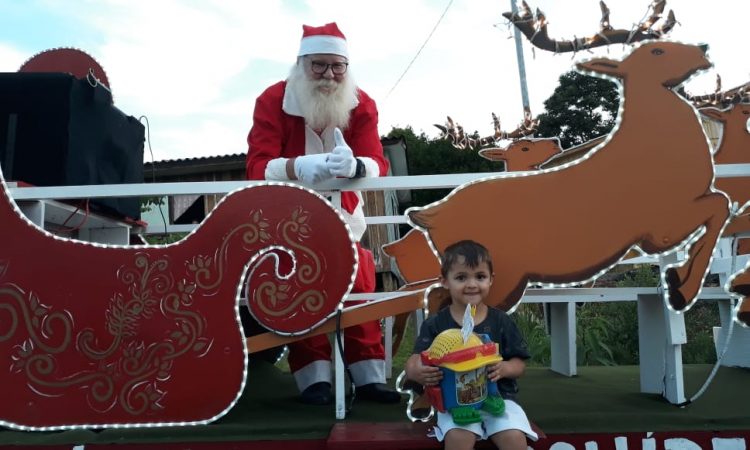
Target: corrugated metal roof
pixel 205 159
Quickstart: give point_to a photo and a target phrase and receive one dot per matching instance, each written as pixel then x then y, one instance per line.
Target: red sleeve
pixel 265 140
pixel 362 134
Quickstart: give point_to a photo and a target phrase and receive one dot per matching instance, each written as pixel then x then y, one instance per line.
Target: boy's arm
pixel 412 367
pixel 511 368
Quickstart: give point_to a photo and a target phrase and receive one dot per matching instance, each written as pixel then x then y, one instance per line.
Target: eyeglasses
pixel 320 68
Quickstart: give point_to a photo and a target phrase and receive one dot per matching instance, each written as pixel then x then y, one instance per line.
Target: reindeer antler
pixel 535 29
pixel 455 133
pixel 719 99
pixel 527 127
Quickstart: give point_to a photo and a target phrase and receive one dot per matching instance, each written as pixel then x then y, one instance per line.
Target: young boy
pixel 467 274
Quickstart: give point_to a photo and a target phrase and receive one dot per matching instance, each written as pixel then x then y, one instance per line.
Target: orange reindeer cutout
pixel 649 185
pixel 523 154
pixel 416 261
pixel 735 149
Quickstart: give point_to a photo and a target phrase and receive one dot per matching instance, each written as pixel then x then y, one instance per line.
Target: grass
pixel 406 347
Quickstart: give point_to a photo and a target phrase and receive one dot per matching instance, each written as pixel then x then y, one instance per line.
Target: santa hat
pixel 325 39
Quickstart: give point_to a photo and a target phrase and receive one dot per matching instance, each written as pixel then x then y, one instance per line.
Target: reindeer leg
pixel 684 282
pixel 741 286
pixel 743 312
pixel 741 283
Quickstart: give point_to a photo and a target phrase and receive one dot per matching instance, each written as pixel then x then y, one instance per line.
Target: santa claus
pixel 314 126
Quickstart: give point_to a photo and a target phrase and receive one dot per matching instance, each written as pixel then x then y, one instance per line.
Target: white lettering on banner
pixel 680 444
pixel 728 443
pixel 650 443
pixel 561 446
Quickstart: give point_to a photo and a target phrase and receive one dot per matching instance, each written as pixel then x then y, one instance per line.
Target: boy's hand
pixel 495 371
pixel 429 376
pixel 507 368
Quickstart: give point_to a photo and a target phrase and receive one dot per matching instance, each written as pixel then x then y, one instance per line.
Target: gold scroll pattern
pixel 209 270
pixel 128 372
pixel 271 296
pixel 25 310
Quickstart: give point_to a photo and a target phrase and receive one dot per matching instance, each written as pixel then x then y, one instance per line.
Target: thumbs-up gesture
pixel 341 162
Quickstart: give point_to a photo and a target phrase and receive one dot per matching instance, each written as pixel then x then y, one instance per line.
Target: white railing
pixel 661 370
pixel 222 187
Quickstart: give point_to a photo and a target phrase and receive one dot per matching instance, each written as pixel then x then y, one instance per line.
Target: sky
pixel 195 67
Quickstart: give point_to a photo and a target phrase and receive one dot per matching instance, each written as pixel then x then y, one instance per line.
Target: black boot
pixel 317 394
pixel 378 392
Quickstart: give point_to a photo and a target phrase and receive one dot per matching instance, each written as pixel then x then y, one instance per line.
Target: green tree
pixel 580 109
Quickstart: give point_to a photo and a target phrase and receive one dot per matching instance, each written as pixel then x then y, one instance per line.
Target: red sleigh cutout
pixel 104 336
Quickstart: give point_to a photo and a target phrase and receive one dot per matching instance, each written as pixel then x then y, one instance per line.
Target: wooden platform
pixel 601 405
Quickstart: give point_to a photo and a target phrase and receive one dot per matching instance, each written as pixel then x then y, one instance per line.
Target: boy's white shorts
pixel 514 418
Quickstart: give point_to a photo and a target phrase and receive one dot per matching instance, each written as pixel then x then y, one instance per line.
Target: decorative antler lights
pixel 454 132
pixel 534 27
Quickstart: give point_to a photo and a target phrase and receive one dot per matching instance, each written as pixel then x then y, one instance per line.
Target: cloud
pixel 194 68
pixel 11 58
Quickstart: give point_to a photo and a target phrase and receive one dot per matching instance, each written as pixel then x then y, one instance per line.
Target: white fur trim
pixel 276 170
pixel 290 103
pixel 356 220
pixel 368 371
pixel 329 141
pixel 372 169
pixel 315 372
pixel 323 44
pixel 313 144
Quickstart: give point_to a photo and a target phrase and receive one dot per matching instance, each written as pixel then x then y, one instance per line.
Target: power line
pixel 420 48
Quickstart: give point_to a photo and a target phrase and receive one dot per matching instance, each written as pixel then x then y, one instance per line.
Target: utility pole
pixel 521 64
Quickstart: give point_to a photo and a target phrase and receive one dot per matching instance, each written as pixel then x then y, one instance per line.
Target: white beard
pixel 323 108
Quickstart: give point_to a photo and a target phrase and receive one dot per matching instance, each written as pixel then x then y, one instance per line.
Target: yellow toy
pixel 465 387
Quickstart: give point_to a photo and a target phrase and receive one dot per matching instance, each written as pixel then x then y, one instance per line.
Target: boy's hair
pixel 473 253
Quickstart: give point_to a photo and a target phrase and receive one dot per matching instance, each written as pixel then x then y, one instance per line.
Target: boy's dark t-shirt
pixel 497 325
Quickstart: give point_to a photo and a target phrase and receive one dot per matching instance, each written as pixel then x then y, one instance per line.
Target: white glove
pixel 312 168
pixel 341 162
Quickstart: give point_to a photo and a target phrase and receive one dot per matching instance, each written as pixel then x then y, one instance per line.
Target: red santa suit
pixel 279 132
